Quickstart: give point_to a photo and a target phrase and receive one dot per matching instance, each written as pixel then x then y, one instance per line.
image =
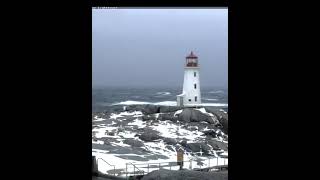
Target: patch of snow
pixel 115 116
pixel 178 112
pixel 202 110
pixel 139 123
pixel 96 119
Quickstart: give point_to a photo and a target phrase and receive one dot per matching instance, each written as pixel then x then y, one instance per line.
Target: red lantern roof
pixel 192 56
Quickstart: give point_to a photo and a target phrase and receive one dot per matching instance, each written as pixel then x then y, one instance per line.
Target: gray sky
pixel 148 46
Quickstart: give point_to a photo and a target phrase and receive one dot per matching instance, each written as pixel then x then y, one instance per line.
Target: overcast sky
pixel 147 47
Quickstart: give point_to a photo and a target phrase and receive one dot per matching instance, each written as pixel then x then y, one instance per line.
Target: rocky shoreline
pixel 210 124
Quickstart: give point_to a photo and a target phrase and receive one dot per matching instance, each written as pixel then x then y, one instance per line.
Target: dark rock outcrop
pixel 133 142
pixel 170 141
pixel 148 117
pixel 114 109
pixel 149 135
pixel 222 117
pixel 150 109
pixel 217 145
pixel 168 116
pixel 170 148
pixel 192 115
pixel 211 133
pixel 195 147
pixel 166 109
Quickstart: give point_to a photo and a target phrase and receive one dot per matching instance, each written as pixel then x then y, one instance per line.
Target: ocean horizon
pixel 103 96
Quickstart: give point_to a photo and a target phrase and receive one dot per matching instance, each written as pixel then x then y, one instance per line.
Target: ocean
pixel 108 96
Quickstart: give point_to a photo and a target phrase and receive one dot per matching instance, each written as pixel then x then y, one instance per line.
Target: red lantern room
pixel 192 60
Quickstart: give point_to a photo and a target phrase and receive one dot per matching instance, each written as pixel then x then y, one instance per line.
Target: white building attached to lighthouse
pixel 191 95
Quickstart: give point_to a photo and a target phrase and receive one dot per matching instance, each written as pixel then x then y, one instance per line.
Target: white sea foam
pixel 216 92
pixel 166 103
pixel 163 103
pixel 214 104
pixel 131 103
pixel 208 99
pixel 163 93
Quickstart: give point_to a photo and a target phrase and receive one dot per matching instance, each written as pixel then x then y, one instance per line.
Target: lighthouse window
pixel 195 86
pixel 189 100
pixel 195 98
pixel 194 74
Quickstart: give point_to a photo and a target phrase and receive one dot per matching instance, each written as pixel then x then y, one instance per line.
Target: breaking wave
pixel 163 93
pixel 208 99
pixel 216 92
pixel 163 103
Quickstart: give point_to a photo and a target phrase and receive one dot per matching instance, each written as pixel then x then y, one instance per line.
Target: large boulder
pixel 148 117
pixel 166 109
pixel 210 133
pixel 192 115
pixel 195 147
pixel 217 145
pixel 165 174
pixel 133 142
pixel 113 109
pixel 222 117
pixel 132 108
pixel 224 123
pixel 149 135
pixel 170 141
pixel 150 109
pixel 167 116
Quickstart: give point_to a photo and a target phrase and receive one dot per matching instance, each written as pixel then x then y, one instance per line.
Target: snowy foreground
pixel 118 138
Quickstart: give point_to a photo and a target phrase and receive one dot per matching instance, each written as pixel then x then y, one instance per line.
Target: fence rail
pixel 145 168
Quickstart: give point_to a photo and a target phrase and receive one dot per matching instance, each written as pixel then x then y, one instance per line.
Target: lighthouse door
pixel 181 101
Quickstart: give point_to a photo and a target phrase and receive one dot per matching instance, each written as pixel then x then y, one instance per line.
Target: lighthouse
pixel 191 95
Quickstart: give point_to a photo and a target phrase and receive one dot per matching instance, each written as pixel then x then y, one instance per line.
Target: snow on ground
pixel 123 164
pixel 138 122
pixel 96 119
pixel 101 132
pixel 203 110
pixel 178 112
pixel 158 148
pixel 170 130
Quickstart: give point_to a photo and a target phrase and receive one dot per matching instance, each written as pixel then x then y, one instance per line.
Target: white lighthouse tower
pixel 191 95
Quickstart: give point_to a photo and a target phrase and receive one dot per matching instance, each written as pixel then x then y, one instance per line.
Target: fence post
pixel 94 166
pixel 217 161
pixel 134 170
pixel 148 167
pixel 126 170
pixel 114 170
pixel 159 166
